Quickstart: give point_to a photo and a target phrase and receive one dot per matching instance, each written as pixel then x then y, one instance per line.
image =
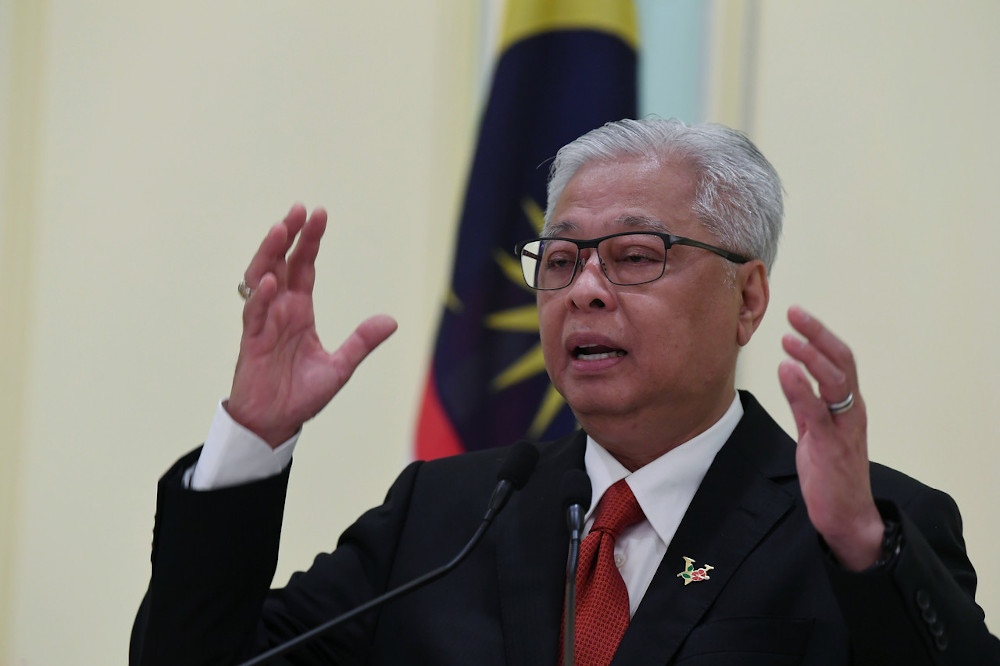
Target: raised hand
pixel 283 375
pixel 832 454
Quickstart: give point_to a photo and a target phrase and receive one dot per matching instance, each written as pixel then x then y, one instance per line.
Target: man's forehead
pixel 640 192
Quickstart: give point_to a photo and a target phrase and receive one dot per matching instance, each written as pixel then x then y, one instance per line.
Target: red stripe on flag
pixel 436 437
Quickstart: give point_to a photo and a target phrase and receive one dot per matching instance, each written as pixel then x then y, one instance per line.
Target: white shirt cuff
pixel 233 455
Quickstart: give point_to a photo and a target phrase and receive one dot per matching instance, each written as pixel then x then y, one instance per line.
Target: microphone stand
pixel 381 599
pixel 514 472
pixel 574 516
pixel 576 494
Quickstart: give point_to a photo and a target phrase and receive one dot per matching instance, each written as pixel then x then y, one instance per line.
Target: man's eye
pixel 558 261
pixel 638 256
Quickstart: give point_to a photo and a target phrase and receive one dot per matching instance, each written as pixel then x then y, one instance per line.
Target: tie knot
pixel 617 510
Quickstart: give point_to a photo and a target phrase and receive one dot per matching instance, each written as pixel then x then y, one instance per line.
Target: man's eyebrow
pixel 626 222
pixel 641 222
pixel 560 228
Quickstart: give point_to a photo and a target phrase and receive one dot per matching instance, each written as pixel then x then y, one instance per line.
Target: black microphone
pixel 514 473
pixel 575 491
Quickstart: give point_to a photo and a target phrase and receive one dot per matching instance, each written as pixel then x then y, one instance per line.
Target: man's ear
pixel 751 280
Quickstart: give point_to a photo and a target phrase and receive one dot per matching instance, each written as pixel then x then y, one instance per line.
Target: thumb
pixel 366 337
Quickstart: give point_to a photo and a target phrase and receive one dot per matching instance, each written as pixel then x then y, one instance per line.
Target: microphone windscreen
pixel 575 489
pixel 519 464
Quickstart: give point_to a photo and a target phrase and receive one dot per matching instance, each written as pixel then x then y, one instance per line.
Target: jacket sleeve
pixel 214 555
pixel 920 608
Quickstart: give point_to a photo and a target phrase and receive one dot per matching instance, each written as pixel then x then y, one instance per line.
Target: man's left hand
pixel 832 454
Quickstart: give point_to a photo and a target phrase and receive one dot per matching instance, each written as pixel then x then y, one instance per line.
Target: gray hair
pixel 738 194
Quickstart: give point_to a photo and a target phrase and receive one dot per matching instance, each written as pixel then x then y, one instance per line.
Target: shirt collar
pixel 665 487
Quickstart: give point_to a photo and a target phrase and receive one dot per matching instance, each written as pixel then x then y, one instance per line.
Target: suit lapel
pixel 734 508
pixel 532 546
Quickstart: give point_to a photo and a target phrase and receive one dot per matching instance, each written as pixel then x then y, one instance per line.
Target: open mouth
pixel 596 352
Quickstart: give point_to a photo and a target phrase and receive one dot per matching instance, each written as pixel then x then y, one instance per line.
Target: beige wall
pixel 881 118
pixel 170 136
pixel 151 144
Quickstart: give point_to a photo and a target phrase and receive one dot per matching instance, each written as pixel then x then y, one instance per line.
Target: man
pixel 744 547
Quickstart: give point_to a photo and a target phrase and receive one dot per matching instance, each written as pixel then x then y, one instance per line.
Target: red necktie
pixel 602 609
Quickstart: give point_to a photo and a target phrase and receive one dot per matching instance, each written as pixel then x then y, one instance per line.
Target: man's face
pixel 651 350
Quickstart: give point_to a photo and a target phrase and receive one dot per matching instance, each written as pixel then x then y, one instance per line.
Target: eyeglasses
pixel 628 258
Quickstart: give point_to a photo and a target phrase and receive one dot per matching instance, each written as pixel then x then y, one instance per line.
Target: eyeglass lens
pixel 627 259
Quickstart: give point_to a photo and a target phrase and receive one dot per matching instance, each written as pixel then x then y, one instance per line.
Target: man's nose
pixel 590 288
pixel 589 262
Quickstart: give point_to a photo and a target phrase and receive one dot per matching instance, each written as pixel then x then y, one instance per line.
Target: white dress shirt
pixel 664 488
pixel 233 455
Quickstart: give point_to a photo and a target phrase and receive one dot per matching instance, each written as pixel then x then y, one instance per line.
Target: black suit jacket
pixel 774 595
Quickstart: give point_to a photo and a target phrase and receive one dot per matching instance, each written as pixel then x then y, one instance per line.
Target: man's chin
pixel 589 407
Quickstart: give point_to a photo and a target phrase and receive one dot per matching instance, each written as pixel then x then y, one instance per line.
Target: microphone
pixel 514 473
pixel 575 491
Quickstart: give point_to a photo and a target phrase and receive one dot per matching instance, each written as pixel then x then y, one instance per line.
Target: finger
pixel 294 220
pixel 256 308
pixel 807 409
pixel 302 261
pixel 293 223
pixel 824 340
pixel 267 254
pixel 832 381
pixel 370 334
pixel 270 256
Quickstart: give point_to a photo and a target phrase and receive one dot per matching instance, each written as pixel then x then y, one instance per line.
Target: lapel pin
pixel 692 575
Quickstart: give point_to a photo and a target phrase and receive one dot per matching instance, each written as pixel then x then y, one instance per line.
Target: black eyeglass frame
pixel 669 240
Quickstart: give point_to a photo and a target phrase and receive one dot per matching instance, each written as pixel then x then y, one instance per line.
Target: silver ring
pixel 842 406
pixel 245 292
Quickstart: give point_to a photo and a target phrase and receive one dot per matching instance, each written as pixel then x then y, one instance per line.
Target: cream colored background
pixel 147 147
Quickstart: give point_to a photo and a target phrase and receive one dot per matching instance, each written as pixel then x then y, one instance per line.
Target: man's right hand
pixel 283 375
